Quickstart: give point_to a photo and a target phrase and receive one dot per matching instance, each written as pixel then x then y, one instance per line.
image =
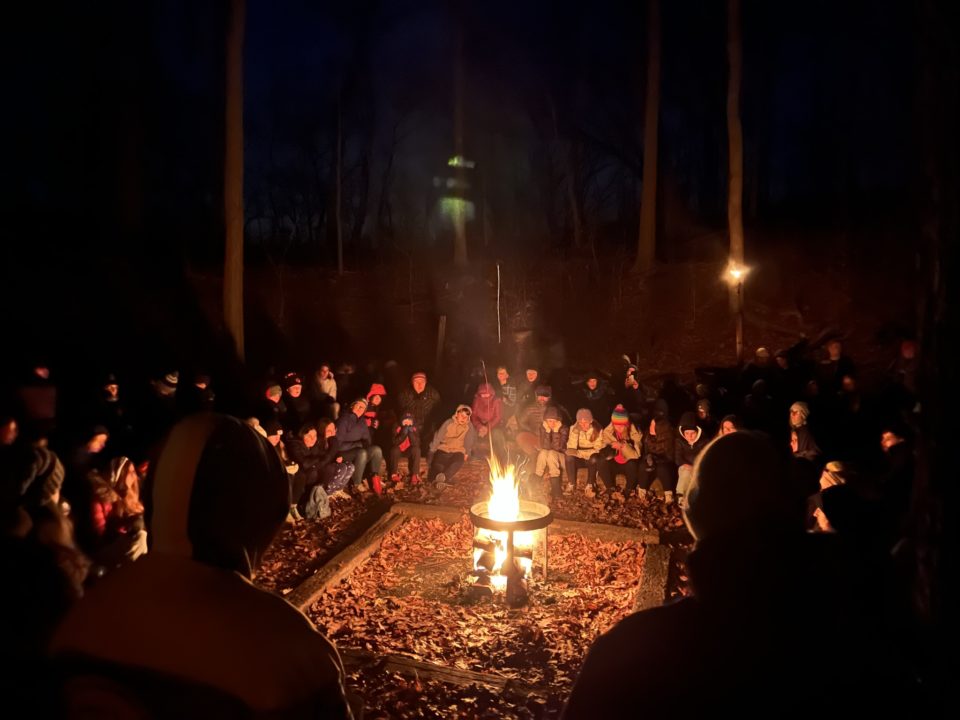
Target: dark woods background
pixel 112 154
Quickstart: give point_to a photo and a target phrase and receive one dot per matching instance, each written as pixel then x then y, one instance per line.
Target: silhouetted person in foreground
pixel 182 632
pixel 780 622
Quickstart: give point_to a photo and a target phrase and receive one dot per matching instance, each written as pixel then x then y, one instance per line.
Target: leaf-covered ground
pixel 391 695
pixel 381 608
pixel 301 549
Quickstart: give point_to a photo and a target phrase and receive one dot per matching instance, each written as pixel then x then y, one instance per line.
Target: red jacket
pixel 487 407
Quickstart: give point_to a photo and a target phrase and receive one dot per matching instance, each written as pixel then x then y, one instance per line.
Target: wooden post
pixel 441 335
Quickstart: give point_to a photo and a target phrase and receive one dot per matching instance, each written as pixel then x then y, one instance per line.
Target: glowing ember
pixel 504 505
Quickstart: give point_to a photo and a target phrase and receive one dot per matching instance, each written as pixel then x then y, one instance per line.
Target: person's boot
pixel 376 484
pixel 414 480
pixel 440 481
pixel 555 490
pixel 668 497
pixel 641 494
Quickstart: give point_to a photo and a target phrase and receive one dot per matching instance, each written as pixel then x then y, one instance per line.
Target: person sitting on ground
pixel 583 447
pixel 420 400
pixel 406 443
pixel 506 391
pixel 747 637
pixel 658 453
pixel 356 446
pixel 375 395
pixel 686 450
pixel 190 633
pixel 297 405
pixel 622 444
pixel 332 473
pixel 553 446
pixel 305 450
pixel 486 418
pixel 451 446
pixel 526 391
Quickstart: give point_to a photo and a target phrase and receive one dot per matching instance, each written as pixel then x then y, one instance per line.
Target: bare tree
pixel 647 239
pixel 338 208
pixel 233 177
pixel 734 134
pixel 459 219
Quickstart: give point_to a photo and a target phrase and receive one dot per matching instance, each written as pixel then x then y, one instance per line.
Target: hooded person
pixel 803 444
pixel 692 441
pixel 451 446
pixel 767 598
pixel 486 418
pixel 189 632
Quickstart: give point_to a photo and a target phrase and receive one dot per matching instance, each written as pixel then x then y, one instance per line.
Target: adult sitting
pixel 768 600
pixel 189 634
pixel 356 446
pixel 622 443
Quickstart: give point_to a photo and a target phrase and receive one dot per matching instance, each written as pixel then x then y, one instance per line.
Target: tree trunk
pixel 233 177
pixel 734 134
pixel 460 217
pixel 338 199
pixel 647 241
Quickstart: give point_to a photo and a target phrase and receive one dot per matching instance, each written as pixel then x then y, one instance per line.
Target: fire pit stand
pixel 533 516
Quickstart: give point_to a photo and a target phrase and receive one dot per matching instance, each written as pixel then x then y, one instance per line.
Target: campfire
pixel 508 528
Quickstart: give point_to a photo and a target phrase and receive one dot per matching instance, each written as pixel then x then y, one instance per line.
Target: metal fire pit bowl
pixel 533 516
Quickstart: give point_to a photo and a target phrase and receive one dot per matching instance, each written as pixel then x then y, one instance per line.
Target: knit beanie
pixel 274 391
pixel 619 415
pixel 584 414
pixel 291 379
pixel 551 413
pixel 543 391
pixel 171 379
pixel 418 375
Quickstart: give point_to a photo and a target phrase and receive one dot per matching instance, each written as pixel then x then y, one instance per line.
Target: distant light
pixel 736 273
pixel 460 161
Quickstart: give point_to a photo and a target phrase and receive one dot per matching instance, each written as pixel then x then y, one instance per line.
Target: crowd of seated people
pixel 76 481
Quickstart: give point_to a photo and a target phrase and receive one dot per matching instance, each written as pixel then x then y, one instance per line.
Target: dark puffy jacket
pixel 352 432
pixel 660 446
